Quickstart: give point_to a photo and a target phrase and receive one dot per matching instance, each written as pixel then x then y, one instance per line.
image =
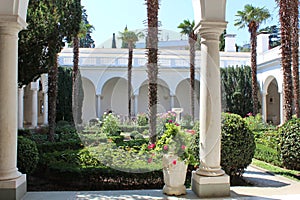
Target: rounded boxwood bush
pixel 237 146
pixel 27 156
pixel 290 144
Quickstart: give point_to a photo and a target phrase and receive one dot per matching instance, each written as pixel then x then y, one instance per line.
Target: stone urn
pixel 174 172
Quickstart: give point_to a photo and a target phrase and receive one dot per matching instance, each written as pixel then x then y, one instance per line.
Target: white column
pixel 8 101
pixel 281 107
pixel 21 108
pixel 210 100
pixel 210 180
pixel 172 101
pixel 45 108
pixel 44 81
pixel 34 109
pixel 136 104
pixel 98 105
pixel 264 106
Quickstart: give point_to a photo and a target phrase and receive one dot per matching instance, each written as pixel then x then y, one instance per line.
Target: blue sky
pixel 111 16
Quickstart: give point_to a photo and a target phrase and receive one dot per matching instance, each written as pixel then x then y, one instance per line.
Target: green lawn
pixel 291 174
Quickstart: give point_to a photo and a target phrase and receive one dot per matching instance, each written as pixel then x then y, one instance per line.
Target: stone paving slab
pixel 266 187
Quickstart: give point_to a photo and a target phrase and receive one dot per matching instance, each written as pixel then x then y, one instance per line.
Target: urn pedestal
pixel 174 172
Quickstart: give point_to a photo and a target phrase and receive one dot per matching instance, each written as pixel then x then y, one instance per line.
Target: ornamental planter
pixel 174 172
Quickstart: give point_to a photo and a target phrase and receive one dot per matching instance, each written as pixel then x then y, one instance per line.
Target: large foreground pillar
pixel 12 182
pixel 210 180
pixel 12 20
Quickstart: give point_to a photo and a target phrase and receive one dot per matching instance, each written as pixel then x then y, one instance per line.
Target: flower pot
pixel 174 172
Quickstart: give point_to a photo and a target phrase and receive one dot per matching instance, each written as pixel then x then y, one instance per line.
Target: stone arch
pixel 183 97
pixel 89 100
pixel 114 96
pixel 163 94
pixel 272 101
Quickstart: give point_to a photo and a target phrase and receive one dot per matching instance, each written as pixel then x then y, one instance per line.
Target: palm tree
pixel 152 68
pixel 252 17
pixel 76 86
pixel 188 29
pixel 295 53
pixel 130 38
pixel 288 17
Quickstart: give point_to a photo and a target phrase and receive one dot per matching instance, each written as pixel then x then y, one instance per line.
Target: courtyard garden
pixel 108 154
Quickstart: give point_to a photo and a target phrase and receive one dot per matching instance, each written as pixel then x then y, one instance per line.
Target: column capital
pixel 34 86
pixel 210 30
pixel 12 21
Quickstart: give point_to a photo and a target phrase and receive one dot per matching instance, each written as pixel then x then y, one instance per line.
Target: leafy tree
pixel 32 53
pixel 130 38
pixel 152 67
pixel 113 43
pixel 236 90
pixel 222 41
pixel 64 97
pixel 252 17
pixel 274 38
pixel 52 22
pixel 85 39
pixel 187 28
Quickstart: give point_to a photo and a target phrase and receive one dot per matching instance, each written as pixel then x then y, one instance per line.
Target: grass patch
pixel 291 174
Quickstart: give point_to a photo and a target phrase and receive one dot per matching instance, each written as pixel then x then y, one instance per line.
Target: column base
pixel 13 189
pixel 209 187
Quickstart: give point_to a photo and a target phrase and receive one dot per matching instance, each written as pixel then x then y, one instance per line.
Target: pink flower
pixel 249 114
pixel 183 147
pixel 151 146
pixel 176 124
pixel 174 162
pixel 191 131
pixel 149 160
pixel 166 147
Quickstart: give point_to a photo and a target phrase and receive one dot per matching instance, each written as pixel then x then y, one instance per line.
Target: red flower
pixel 151 146
pixel 174 162
pixel 170 121
pixel 166 147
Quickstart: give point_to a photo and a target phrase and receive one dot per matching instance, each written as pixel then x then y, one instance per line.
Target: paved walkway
pixel 267 187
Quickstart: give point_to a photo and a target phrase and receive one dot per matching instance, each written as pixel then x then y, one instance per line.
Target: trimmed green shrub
pixel 267 154
pixel 142 119
pixel 133 134
pixel 290 144
pixel 195 141
pixel 256 123
pixel 27 156
pixel 129 128
pixel 110 125
pixel 59 146
pixel 237 146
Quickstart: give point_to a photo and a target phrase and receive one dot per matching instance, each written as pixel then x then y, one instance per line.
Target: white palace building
pixel 104 78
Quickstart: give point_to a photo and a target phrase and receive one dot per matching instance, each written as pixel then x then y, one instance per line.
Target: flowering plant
pixel 175 141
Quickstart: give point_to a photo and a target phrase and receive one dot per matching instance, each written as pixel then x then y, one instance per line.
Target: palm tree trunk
pixel 75 87
pixel 152 68
pixel 192 75
pixel 52 96
pixel 130 52
pixel 286 58
pixel 295 53
pixel 253 33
